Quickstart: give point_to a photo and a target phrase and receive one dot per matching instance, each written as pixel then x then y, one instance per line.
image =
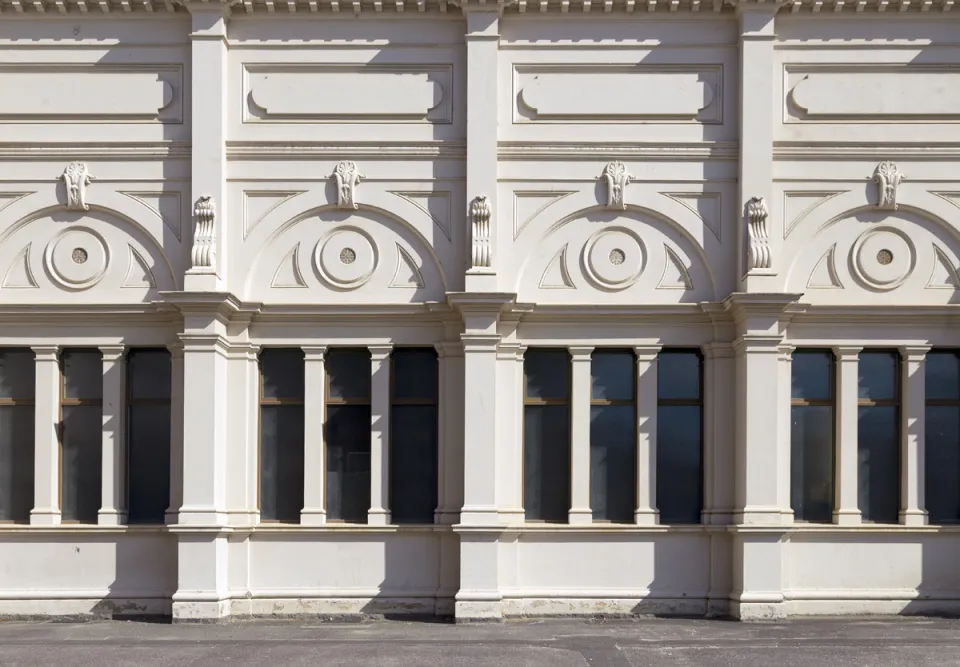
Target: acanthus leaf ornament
pixel 617 178
pixel 758 250
pixel 480 229
pixel 204 254
pixel 76 178
pixel 348 177
pixel 888 177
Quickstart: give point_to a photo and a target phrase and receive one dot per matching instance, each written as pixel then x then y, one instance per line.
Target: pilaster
pixel 510 432
pixel 913 392
pixel 785 380
pixel 646 512
pixel 46 460
pixel 314 511
pixel 209 78
pixel 719 409
pixel 580 511
pixel 113 468
pixel 379 513
pixel 758 95
pixel 450 454
pixel 846 511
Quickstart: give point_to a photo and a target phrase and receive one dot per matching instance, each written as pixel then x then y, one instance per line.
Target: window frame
pixel 687 402
pixel 434 403
pixel 527 401
pixel 74 402
pixel 30 402
pixel 937 403
pixel 895 402
pixel 261 402
pixel 632 402
pixel 818 402
pixel 130 402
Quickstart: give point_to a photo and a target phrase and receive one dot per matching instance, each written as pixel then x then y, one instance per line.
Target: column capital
pixel 647 353
pixel 847 352
pixel 380 352
pixel 45 352
pixel 449 349
pixel 315 352
pixel 175 350
pixel 914 353
pixel 580 352
pixel 112 353
pixel 717 350
pixel 786 351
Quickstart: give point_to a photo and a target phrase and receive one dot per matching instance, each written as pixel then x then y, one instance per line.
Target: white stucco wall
pixel 706 105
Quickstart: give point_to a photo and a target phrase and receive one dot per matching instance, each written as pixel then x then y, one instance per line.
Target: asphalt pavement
pixel 886 642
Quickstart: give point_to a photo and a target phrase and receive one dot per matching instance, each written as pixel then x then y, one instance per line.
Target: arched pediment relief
pixel 345 256
pixel 611 257
pixel 98 255
pixel 895 257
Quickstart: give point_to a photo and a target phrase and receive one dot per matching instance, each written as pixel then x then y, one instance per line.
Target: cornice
pixel 238 150
pixel 92 314
pixel 860 315
pixel 866 151
pixel 620 314
pixel 99 151
pixel 651 151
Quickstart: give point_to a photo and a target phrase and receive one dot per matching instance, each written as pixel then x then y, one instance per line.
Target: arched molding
pixel 123 215
pixel 688 227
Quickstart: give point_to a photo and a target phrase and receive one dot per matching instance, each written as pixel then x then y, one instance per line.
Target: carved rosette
pixel 204 253
pixel 480 226
pixel 617 178
pixel 887 176
pixel 76 178
pixel 758 250
pixel 348 177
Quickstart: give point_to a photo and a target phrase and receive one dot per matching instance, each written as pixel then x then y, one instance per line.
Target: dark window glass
pixel 878 437
pixel 81 435
pixel 942 428
pixel 811 436
pixel 546 435
pixel 347 433
pixel 17 376
pixel 613 436
pixel 281 434
pixel 148 435
pixel 679 437
pixel 413 435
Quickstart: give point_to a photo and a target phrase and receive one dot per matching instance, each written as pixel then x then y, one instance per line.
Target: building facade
pixel 548 307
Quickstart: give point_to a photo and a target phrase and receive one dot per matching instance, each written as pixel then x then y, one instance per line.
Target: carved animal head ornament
pixel 76 178
pixel 888 177
pixel 617 178
pixel 348 177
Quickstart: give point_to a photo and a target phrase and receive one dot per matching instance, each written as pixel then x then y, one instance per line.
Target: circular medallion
pixel 614 258
pixel 882 258
pixel 346 257
pixel 77 258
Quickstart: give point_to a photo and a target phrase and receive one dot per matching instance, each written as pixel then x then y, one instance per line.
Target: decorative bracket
pixel 480 226
pixel 76 178
pixel 204 254
pixel 617 178
pixel 758 250
pixel 348 177
pixel 888 177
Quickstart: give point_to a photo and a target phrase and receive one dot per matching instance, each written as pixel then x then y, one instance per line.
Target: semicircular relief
pixel 337 256
pixel 95 254
pixel 616 258
pixel 901 257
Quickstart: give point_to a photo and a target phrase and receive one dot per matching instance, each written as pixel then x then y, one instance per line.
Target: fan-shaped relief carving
pixel 883 258
pixel 346 258
pixel 436 205
pixel 824 275
pixel 675 273
pixel 944 273
pixel 407 273
pixel 20 273
pixel 704 205
pixel 164 205
pixel 527 205
pixel 257 204
pixel 557 275
pixel 288 273
pixel 797 205
pixel 138 271
pixel 614 258
pixel 77 258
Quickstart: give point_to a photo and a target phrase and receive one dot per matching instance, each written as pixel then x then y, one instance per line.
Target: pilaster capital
pixel 474 343
pixel 175 350
pixel 380 353
pixel 112 353
pixel 314 352
pixel 717 350
pixel 447 349
pixel 647 353
pixel 914 353
pixel 848 353
pixel 46 352
pixel 580 352
pixel 786 351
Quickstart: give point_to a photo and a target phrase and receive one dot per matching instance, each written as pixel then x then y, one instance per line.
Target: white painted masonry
pixel 741 177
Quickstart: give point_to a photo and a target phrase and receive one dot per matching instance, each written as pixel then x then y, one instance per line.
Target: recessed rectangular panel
pixel 349 93
pixel 620 93
pixel 875 93
pixel 90 93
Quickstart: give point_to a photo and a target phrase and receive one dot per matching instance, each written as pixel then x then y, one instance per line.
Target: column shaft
pixel 46 442
pixel 846 511
pixel 646 512
pixel 113 467
pixel 379 513
pixel 913 392
pixel 580 435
